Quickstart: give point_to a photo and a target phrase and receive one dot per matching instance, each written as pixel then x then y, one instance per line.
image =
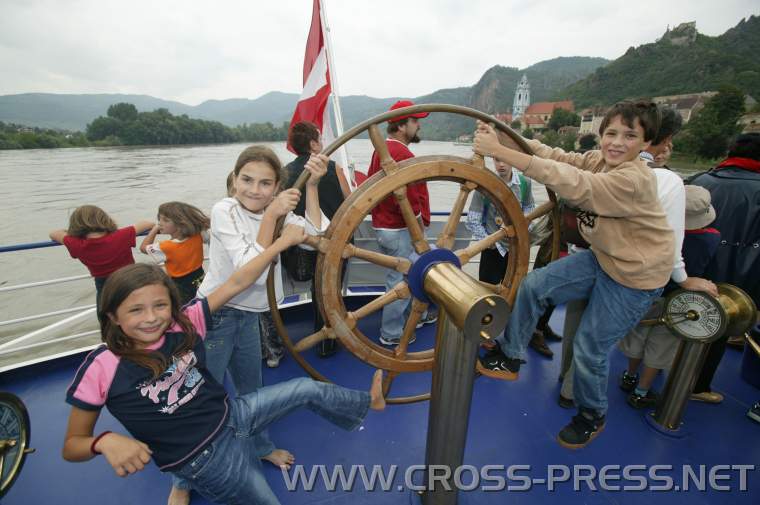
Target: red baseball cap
pixel 405 103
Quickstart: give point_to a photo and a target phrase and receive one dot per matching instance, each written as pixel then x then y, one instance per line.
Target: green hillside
pixel 682 61
pixel 495 91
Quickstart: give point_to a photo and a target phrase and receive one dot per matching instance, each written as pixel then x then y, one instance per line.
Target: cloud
pixel 193 51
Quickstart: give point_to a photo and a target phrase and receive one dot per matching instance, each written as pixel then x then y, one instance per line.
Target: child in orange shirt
pixel 182 255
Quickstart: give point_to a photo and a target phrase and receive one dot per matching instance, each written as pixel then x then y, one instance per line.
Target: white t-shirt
pixel 233 243
pixel 672 196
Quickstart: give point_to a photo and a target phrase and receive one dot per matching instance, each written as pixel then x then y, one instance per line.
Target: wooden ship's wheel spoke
pixel 539 211
pixel 399 292
pixel 475 248
pixel 393 181
pixel 380 259
pixel 418 308
pixel 448 235
pixel 313 339
pixel 387 163
pixel 388 382
pixel 413 223
pixel 478 161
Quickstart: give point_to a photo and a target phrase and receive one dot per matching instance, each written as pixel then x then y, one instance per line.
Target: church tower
pixel 522 98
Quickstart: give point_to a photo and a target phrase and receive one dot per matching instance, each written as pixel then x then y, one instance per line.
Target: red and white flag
pixel 312 106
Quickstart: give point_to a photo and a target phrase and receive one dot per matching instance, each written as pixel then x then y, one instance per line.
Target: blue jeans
pixel 613 309
pixel 234 342
pixel 229 471
pixel 395 243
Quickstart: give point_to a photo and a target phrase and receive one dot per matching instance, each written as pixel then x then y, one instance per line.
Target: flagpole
pixel 342 152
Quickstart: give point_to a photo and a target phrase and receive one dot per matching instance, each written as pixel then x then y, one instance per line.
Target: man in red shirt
pixel 390 228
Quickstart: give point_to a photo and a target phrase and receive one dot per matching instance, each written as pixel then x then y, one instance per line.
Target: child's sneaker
pixel 638 401
pixel 497 366
pixel 583 428
pixel 565 403
pixel 430 318
pixel 629 382
pixel 754 412
pixel 393 342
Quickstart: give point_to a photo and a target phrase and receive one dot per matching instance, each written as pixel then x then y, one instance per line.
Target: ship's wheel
pixel 335 246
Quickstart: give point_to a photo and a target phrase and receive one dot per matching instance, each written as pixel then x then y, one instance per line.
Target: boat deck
pixel 511 424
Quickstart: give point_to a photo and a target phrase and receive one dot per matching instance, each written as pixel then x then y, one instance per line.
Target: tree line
pixel 124 125
pixel 706 136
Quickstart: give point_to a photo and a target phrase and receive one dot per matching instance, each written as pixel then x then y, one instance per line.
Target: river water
pixel 40 188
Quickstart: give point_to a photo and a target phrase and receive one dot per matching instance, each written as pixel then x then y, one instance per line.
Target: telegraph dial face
pixel 695 315
pixel 14 439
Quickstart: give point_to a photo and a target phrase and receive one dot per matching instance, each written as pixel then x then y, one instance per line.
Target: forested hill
pixel 495 91
pixel 682 61
pixel 492 93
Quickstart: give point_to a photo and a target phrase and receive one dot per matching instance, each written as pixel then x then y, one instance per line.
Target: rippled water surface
pixel 40 188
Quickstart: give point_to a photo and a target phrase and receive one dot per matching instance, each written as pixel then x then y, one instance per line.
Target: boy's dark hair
pixel 261 154
pixel 647 113
pixel 116 289
pixel 394 126
pixel 745 145
pixel 301 135
pixel 188 219
pixel 670 124
pixel 88 219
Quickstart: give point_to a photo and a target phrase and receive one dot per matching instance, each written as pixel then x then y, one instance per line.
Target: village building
pixel 569 130
pixel 537 115
pixel 750 123
pixel 687 105
pixel 591 120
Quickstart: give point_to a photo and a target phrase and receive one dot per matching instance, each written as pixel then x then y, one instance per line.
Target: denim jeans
pixel 229 472
pixel 613 309
pixel 395 243
pixel 234 342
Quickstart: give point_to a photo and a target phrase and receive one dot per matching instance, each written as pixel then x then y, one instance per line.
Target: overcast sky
pixel 191 51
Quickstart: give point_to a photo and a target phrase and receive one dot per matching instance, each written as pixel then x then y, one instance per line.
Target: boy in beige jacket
pixel 630 259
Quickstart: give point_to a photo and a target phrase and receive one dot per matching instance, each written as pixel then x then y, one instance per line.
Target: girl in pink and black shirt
pixel 151 376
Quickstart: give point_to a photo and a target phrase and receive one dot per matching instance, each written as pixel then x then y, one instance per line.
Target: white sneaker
pixel 273 362
pixel 394 342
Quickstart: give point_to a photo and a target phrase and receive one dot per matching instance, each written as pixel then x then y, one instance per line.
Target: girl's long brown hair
pixel 88 219
pixel 116 289
pixel 188 219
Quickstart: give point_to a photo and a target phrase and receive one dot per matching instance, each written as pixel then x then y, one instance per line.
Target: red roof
pixel 534 120
pixel 548 107
pixel 507 118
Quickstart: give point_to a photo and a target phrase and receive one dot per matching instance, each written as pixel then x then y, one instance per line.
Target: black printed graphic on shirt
pixel 586 219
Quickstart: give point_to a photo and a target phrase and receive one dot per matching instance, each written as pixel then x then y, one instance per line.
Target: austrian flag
pixel 312 106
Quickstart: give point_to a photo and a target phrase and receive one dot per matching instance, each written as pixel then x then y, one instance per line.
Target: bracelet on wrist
pixel 95 442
